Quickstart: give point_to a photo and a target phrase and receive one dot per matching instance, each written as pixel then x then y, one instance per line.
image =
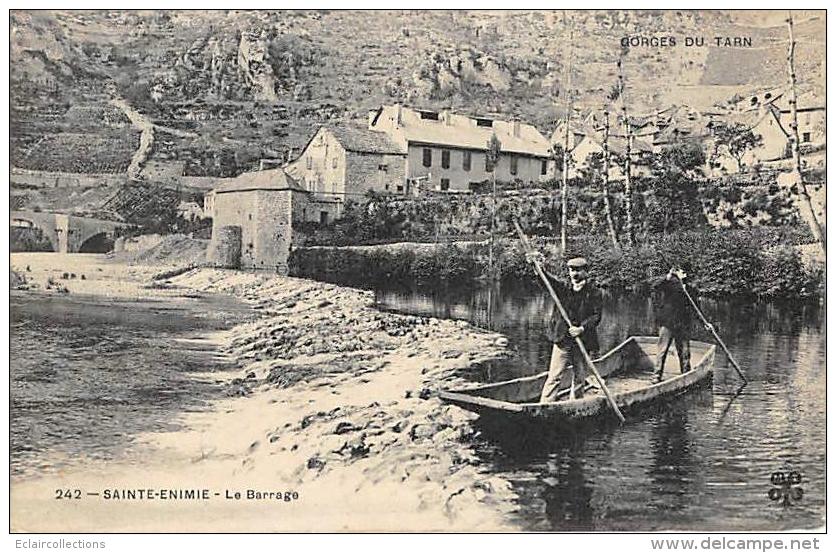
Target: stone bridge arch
pixel 68 233
pixel 45 222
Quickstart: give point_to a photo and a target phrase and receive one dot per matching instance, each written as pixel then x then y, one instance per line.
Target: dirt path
pixel 146 138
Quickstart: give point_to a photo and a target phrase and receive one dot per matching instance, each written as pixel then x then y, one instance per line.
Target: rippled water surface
pixel 87 375
pixel 701 462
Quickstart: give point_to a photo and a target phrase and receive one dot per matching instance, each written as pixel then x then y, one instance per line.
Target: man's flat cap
pixel 577 262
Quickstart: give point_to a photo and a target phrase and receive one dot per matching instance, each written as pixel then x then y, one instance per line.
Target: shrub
pixel 782 274
pixel 747 262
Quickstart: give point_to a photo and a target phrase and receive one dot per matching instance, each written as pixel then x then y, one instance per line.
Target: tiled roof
pixel 272 179
pixel 356 138
pixel 461 131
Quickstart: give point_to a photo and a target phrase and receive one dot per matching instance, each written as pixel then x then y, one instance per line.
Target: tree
pixel 606 180
pixel 736 139
pixel 564 188
pixel 618 92
pixel 674 203
pixel 806 204
pixel 492 157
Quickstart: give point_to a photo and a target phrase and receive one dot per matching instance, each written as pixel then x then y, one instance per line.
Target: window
pixel 323 217
pixel 513 165
pixel 466 160
pixel 484 122
pixel 334 163
pixel 309 162
pixel 445 159
pixel 428 157
pixel 431 115
pixel 805 137
pixel 544 167
pixel 400 188
pixel 445 184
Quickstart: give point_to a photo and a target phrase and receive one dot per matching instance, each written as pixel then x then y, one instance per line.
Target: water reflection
pixel 701 462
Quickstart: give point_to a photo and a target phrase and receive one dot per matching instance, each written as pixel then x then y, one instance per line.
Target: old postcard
pixel 417 271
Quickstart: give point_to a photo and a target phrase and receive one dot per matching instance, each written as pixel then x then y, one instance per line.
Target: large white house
pixel 402 150
pixel 447 151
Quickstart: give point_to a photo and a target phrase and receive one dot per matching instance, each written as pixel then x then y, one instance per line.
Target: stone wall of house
pixel 235 209
pixel 264 217
pixel 271 231
pixel 379 172
pixel 321 167
pixel 225 247
pixel 308 208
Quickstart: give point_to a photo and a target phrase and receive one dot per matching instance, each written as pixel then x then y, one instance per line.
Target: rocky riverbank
pixel 335 401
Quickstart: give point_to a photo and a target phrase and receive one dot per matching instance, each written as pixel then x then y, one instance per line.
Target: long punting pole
pixel 578 341
pixel 714 332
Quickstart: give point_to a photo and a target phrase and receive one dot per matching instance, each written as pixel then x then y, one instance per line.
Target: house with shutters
pixel 409 151
pixel 446 151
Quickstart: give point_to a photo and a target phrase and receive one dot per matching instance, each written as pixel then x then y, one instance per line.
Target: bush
pixel 748 262
pixel 782 274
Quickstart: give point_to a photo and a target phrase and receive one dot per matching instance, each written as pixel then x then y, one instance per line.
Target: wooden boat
pixel 627 371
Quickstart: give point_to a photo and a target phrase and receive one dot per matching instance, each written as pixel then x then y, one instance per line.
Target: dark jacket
pixel 672 308
pixel 584 309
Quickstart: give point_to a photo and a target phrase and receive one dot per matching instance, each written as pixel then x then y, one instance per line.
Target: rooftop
pixel 444 128
pixel 272 179
pixel 357 138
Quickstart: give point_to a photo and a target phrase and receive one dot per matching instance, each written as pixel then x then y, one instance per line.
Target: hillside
pixel 232 87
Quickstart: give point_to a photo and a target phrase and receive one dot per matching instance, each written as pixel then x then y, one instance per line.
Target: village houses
pixel 410 151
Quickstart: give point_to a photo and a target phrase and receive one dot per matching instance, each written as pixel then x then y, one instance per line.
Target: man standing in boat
pixel 583 303
pixel 673 317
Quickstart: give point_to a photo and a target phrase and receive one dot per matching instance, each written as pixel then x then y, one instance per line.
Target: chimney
pixel 516 129
pixel 447 117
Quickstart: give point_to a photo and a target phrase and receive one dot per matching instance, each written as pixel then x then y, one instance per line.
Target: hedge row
pixel 755 262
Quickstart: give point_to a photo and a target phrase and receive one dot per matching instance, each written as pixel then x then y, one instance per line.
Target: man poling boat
pixel 674 301
pixel 573 332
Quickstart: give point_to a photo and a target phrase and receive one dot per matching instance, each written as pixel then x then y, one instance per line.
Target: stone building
pixel 252 217
pixel 812 118
pixel 344 162
pixel 401 147
pixel 447 151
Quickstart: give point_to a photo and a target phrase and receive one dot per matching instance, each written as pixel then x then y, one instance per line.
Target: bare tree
pixel 492 156
pixel 628 135
pixel 806 205
pixel 564 188
pixel 606 184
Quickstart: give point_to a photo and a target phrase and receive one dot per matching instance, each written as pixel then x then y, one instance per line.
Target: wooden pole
pixel 562 311
pixel 806 203
pixel 714 332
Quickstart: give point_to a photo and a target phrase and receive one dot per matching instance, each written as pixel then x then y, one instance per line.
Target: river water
pixel 89 374
pixel 702 462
